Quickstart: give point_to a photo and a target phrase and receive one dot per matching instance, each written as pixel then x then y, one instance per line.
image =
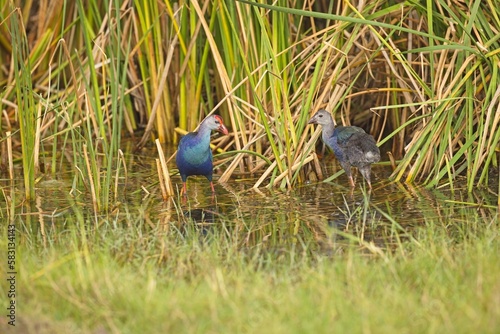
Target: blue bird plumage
pixel 352 146
pixel 194 156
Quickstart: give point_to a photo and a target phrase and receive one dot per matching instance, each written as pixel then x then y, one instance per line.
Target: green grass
pixel 246 275
pixel 29 113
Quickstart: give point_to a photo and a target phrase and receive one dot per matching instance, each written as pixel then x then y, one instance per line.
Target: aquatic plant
pixel 422 77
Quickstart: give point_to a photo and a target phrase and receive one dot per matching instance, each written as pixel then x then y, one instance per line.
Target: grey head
pixel 321 117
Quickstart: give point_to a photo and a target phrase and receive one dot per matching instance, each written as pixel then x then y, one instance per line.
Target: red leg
pixel 212 186
pixel 184 189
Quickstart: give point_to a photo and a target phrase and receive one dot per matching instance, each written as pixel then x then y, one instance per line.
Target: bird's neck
pixel 203 136
pixel 328 131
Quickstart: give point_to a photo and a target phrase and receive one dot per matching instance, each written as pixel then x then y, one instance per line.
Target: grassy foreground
pixel 133 280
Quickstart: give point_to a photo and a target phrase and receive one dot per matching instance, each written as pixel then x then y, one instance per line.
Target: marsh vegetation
pixel 96 94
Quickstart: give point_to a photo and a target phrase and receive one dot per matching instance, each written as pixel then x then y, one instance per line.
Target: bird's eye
pixel 217 121
pixel 320 115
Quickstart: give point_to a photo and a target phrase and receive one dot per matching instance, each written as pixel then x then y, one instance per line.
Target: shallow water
pixel 319 217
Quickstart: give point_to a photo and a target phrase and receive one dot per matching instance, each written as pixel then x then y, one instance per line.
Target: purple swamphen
pixel 194 156
pixel 351 145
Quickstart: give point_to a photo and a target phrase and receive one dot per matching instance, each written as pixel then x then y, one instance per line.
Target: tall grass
pixel 420 76
pixel 80 94
pixel 26 108
pixel 433 77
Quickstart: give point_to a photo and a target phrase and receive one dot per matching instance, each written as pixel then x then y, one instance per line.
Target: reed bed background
pixel 421 76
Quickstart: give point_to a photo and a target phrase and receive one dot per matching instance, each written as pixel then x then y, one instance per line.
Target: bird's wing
pixel 344 133
pixel 361 149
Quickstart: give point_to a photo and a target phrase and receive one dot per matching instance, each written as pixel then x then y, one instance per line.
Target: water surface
pixel 319 216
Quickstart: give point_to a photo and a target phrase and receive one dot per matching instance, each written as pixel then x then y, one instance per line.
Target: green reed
pixel 84 94
pixel 26 107
pixel 458 77
pixel 422 86
pixel 105 61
